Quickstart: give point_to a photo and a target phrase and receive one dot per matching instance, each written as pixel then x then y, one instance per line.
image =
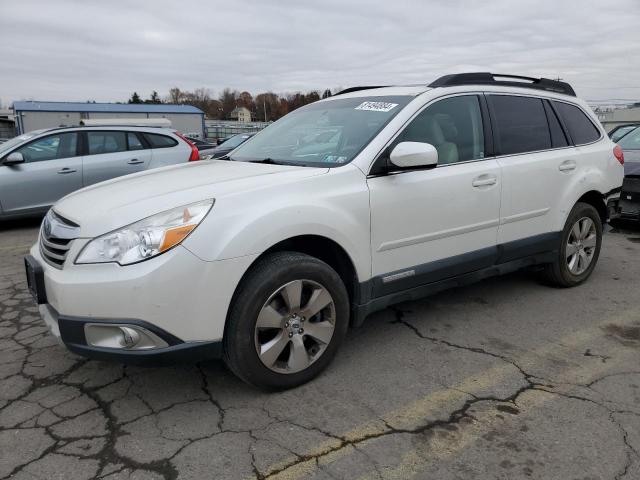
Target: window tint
pixel 558 138
pixel 106 142
pixel 453 126
pixel 134 142
pixel 631 141
pixel 160 141
pixel 520 124
pixel 62 145
pixel 581 129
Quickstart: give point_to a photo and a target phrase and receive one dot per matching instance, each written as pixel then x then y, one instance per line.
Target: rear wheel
pixel 286 321
pixel 579 248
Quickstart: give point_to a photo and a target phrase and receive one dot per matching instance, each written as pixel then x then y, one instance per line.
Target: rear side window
pixel 558 138
pixel 520 124
pixel 134 142
pixel 160 141
pixel 581 129
pixel 106 142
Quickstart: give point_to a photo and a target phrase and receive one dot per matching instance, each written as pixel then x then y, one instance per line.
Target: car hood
pixel 109 205
pixel 632 162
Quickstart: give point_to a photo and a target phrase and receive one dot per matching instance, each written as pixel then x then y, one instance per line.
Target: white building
pixel 241 114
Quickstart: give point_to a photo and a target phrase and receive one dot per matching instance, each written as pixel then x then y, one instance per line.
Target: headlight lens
pixel 147 238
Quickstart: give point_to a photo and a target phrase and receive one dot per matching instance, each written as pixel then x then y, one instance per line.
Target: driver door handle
pixel 484 181
pixel 567 166
pixel 66 170
pixel 135 161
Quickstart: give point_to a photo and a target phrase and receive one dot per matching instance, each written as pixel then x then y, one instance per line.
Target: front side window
pixel 106 142
pixel 631 141
pixel 520 124
pixel 327 133
pixel 453 126
pixel 581 129
pixel 52 147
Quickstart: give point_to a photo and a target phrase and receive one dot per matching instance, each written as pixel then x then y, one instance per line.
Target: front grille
pixel 56 235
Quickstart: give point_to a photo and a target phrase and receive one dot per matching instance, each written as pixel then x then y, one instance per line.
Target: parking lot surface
pixel 505 379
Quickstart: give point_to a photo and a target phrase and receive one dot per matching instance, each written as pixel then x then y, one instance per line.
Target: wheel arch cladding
pixel 596 199
pixel 322 248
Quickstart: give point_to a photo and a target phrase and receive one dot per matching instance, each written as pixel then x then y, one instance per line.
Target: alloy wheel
pixel 581 245
pixel 295 326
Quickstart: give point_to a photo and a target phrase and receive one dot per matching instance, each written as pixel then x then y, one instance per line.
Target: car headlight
pixel 147 238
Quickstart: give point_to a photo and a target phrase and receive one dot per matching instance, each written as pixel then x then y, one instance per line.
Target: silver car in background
pixel 40 167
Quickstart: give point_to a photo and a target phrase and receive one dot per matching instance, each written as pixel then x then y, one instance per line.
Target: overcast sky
pixel 104 50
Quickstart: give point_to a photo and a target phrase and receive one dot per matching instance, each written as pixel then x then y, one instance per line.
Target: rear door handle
pixel 567 166
pixel 66 170
pixel 135 161
pixel 484 181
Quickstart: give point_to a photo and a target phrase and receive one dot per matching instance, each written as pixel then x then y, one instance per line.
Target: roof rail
pixel 357 89
pixel 486 78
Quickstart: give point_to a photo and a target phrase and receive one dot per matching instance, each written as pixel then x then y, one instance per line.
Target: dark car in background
pixel 228 145
pixel 201 144
pixel 630 196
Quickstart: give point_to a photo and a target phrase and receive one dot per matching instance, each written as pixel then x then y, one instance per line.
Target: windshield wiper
pixel 269 161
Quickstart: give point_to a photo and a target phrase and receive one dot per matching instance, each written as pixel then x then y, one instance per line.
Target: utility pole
pixel 264 107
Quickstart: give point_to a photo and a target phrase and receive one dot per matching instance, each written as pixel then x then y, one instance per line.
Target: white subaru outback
pixel 374 196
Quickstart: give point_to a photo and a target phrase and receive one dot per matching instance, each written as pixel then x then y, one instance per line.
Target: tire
pixel 263 317
pixel 564 271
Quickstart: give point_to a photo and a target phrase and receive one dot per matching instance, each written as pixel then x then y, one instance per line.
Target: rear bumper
pixel 71 332
pixel 630 199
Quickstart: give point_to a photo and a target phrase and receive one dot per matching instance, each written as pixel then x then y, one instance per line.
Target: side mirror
pixel 414 155
pixel 13 159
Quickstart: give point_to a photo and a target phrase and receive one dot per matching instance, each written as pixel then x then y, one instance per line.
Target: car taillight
pixel 195 154
pixel 619 154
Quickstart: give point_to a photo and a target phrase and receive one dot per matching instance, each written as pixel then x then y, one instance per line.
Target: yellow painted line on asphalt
pixel 414 461
pixel 428 407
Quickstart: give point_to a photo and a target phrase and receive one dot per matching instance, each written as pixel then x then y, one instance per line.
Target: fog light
pixel 121 336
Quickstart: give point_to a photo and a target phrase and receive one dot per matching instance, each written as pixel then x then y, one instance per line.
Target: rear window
pixel 160 141
pixel 520 124
pixel 581 128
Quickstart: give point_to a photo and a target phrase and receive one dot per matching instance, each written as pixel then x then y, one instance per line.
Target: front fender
pixel 335 206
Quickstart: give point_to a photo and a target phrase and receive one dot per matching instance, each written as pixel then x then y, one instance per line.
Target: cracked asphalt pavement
pixel 505 379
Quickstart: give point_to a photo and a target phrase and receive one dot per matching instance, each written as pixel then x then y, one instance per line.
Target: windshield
pixel 329 133
pixel 621 132
pixel 234 141
pixel 9 144
pixel 631 141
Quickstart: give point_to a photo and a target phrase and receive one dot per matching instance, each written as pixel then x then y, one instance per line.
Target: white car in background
pixel 40 167
pixel 266 258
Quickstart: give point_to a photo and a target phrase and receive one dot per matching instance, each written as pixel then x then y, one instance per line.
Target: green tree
pixel 326 93
pixel 135 98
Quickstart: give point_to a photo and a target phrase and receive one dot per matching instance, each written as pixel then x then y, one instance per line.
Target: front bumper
pixel 177 296
pixel 71 332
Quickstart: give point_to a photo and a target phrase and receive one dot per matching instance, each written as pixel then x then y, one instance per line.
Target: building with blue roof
pixel 32 115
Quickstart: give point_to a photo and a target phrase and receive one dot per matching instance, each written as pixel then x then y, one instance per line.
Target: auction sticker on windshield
pixel 376 106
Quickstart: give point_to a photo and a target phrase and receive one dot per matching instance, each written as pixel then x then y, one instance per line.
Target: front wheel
pixel 579 248
pixel 286 321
